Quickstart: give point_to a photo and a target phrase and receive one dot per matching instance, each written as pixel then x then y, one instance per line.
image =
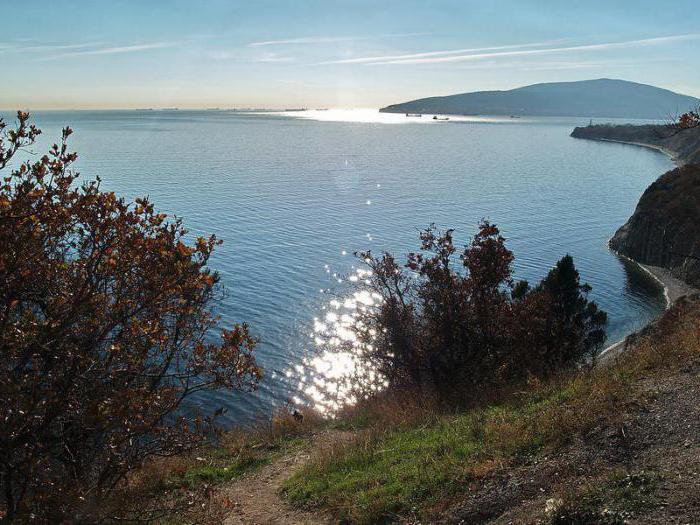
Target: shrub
pixel 105 330
pixel 454 330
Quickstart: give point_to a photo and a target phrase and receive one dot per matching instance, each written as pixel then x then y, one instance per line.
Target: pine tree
pixel 578 326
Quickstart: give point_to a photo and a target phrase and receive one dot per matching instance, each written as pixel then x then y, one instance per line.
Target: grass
pixel 394 471
pixel 404 467
pixel 218 474
pixel 185 489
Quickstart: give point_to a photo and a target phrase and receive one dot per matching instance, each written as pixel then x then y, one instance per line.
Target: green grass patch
pixel 394 472
pixel 221 464
pixel 403 470
pixel 218 474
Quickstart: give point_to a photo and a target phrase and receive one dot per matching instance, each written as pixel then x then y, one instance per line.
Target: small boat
pixel 435 117
pixel 514 116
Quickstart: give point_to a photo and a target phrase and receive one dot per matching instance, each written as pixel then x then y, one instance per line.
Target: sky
pixel 64 54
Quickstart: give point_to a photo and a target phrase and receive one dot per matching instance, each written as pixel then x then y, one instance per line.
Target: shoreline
pixel 673 289
pixel 661 149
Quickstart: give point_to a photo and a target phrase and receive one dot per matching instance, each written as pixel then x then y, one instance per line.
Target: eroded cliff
pixel 665 227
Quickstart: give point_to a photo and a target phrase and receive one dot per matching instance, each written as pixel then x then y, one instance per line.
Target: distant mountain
pixel 603 97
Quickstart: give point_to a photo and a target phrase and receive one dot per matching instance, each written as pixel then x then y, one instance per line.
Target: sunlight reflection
pixel 373 116
pixel 328 379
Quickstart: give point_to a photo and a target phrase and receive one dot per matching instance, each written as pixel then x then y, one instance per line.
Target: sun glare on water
pixel 374 116
pixel 337 363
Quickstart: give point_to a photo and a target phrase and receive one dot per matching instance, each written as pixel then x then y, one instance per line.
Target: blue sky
pixel 216 53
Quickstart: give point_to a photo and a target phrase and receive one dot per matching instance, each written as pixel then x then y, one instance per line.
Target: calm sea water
pixel 293 198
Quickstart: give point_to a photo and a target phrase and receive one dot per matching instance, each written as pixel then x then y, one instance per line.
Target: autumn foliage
pixel 456 322
pixel 689 120
pixel 105 329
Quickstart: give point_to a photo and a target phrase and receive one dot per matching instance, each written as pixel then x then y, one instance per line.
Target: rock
pixel 663 231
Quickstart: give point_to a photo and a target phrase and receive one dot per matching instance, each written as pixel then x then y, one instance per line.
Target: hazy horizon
pixel 128 55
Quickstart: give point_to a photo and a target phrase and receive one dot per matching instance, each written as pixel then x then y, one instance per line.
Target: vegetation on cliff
pixel 452 325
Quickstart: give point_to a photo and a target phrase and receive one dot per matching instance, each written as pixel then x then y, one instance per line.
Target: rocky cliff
pixel 665 228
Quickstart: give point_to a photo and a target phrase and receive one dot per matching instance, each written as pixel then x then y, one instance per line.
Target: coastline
pixel 661 149
pixel 673 289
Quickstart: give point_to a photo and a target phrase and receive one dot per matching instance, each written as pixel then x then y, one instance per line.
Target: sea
pixel 293 195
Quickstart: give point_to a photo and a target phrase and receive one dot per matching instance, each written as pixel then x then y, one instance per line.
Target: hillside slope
pixel 613 445
pixel 588 98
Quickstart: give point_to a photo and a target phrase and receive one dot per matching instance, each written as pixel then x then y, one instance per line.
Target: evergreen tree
pixel 577 325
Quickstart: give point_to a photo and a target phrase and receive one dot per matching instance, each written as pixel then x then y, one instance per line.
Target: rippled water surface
pixel 293 198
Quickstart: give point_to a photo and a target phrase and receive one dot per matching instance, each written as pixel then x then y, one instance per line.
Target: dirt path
pixel 255 497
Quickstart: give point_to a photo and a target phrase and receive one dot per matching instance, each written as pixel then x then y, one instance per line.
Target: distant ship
pixel 296 109
pixel 435 117
pixel 417 115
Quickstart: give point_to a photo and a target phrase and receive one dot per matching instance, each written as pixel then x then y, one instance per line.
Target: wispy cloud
pixel 272 57
pixel 554 65
pixel 238 56
pixel 530 52
pixel 385 58
pixel 113 50
pixel 330 39
pixel 25 47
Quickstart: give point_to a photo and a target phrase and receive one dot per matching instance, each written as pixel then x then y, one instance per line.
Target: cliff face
pixel 684 146
pixel 665 227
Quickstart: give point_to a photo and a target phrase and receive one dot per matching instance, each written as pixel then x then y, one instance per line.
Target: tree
pixel 688 120
pixel 105 329
pixel 456 330
pixel 576 325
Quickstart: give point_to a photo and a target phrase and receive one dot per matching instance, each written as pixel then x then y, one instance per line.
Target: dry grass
pixel 409 457
pixel 184 489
